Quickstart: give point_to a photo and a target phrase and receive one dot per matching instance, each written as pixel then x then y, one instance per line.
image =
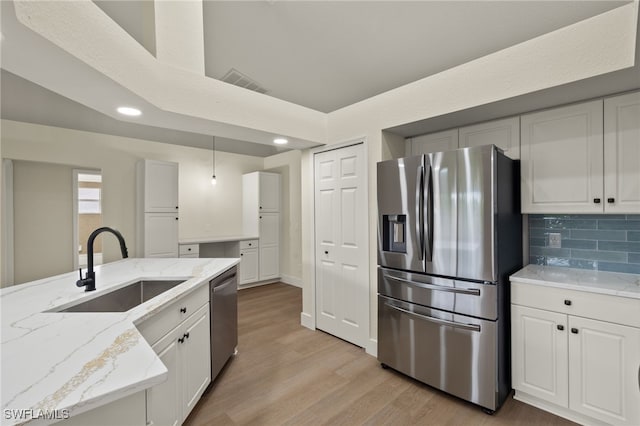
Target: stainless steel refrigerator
pixel 449 236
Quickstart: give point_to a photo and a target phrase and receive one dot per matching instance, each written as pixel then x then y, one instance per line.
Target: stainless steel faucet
pixel 89 281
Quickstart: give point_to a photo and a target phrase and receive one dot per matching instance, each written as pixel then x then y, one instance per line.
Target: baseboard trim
pixel 555 409
pixel 291 280
pixel 307 320
pixel 372 348
pixel 257 284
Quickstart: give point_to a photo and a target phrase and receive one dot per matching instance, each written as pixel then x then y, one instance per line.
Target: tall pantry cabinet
pixel 261 217
pixel 157 208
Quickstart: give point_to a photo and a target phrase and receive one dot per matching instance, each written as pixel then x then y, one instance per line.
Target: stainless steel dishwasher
pixel 224 318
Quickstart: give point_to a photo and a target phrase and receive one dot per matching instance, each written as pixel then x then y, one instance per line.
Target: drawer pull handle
pixel 596 200
pixel 472 291
pixel 567 302
pixel 560 327
pixel 183 310
pixel 574 330
pixel 611 200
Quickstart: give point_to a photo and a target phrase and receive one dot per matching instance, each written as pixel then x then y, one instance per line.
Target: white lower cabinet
pixel 585 369
pixel 249 266
pixel 185 351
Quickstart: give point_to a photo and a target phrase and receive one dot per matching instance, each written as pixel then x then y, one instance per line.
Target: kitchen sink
pixel 125 298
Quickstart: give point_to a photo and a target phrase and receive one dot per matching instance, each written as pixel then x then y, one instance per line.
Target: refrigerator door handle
pixel 428 213
pixel 472 291
pixel 419 211
pixel 472 327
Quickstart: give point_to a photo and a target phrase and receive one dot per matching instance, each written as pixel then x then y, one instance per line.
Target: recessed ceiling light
pixel 133 112
pixel 280 141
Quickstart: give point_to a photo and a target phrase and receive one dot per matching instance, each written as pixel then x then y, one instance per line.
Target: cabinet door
pixel 196 361
pixel 160 235
pixel 604 375
pixel 269 262
pixel 505 134
pixel 562 160
pixel 248 266
pixel 160 186
pixel 164 401
pixel 269 192
pixel 539 353
pixel 622 153
pixel 433 142
pixel 269 229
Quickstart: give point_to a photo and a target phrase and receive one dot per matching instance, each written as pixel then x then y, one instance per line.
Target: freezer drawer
pixel 462 297
pixel 454 353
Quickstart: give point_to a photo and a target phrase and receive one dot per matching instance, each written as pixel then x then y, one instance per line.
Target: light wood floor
pixel 285 374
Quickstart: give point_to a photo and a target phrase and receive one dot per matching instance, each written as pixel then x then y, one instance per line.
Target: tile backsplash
pixel 598 242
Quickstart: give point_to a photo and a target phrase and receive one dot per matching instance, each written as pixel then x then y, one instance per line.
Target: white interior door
pixel 341 246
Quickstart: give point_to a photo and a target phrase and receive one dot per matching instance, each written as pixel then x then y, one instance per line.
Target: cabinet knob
pixel 260 217
pixel 596 200
pixel 574 330
pixel 176 207
pixel 560 327
pixel 260 207
pixel 249 244
pixel 189 249
pixel 183 310
pixel 567 302
pixel 186 335
pixel 181 339
pixel 611 200
pixel 241 254
pixel 326 252
pixel 176 218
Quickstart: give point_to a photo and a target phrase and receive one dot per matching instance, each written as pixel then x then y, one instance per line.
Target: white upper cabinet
pixel 269 192
pixel 622 153
pixel 157 208
pixel 433 142
pixel 562 160
pixel 504 133
pixel 160 186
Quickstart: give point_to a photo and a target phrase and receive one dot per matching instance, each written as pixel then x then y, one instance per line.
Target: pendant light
pixel 213 155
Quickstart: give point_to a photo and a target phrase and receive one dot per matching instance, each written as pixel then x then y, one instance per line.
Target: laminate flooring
pixel 286 374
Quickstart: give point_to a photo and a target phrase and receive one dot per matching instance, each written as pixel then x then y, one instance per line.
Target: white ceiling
pixel 320 54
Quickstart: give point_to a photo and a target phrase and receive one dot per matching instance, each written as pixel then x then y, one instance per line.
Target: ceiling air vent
pixel 235 77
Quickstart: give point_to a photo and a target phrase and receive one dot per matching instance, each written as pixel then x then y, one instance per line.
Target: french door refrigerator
pixel 449 236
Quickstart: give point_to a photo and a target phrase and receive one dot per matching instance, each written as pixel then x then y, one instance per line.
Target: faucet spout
pixel 89 282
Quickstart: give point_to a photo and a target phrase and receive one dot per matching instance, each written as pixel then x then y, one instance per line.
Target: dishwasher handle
pixel 222 285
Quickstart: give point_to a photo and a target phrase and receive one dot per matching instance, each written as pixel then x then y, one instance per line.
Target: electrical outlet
pixel 555 240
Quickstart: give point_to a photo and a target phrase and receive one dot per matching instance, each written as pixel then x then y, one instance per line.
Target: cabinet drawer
pixel 161 323
pixel 620 310
pixel 248 244
pixel 189 249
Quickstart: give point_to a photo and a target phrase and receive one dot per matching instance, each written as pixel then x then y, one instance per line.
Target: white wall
pixel 591 47
pixel 288 164
pixel 43 220
pixel 205 210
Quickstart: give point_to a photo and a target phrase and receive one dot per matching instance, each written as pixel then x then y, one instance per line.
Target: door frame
pixel 309 320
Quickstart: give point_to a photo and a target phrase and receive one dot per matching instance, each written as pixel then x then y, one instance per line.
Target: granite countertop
pixel 204 240
pixel 79 361
pixel 611 283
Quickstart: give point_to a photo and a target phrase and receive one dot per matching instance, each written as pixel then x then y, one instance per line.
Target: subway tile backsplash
pixel 598 242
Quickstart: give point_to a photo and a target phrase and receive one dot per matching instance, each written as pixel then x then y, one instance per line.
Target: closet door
pixel 341 266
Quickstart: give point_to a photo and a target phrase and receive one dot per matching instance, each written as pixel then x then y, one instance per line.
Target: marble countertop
pixel 79 361
pixel 611 283
pixel 224 239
